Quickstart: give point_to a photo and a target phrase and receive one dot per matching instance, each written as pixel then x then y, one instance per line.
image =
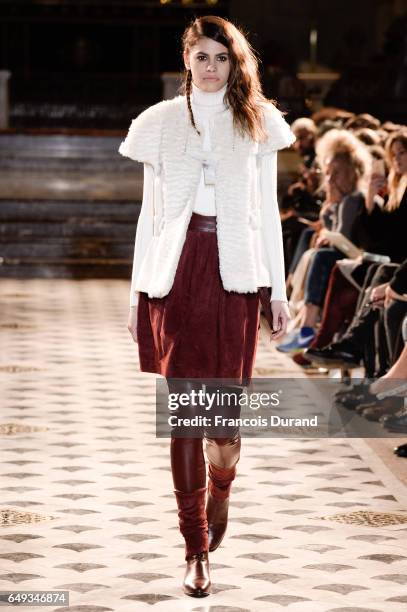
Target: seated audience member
pixel 364 120
pixel 395 383
pixel 300 205
pixel 331 113
pixel 305 246
pixel 388 293
pixel 383 400
pixel 380 229
pixel 345 163
pixel 368 136
pixel 383 221
pixel 391 127
pixel 305 131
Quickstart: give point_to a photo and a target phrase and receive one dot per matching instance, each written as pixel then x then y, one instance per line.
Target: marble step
pixel 68 247
pixel 80 228
pixel 64 268
pixel 68 211
pixel 67 238
pixel 63 152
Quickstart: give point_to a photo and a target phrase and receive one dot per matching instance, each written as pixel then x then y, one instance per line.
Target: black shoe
pixel 396 423
pixel 401 451
pixel 354 400
pixel 332 357
pixel 381 409
pixel 351 389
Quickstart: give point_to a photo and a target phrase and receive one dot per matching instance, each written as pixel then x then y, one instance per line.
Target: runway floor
pixel 316 525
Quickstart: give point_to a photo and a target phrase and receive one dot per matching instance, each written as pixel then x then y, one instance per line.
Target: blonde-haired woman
pixel 208 236
pixel 345 163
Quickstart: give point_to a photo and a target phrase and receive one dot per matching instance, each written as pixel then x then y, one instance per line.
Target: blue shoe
pixel 284 347
pixel 291 335
pixel 298 343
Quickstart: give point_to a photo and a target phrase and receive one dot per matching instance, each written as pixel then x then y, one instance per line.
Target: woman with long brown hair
pixel 396 182
pixel 208 237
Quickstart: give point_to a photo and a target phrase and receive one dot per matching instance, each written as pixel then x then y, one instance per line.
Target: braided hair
pixel 188 87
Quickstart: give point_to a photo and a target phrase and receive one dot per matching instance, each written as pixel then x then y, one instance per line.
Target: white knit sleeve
pixel 271 225
pixel 144 230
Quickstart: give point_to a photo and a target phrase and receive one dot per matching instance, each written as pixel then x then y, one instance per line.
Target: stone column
pixel 4 98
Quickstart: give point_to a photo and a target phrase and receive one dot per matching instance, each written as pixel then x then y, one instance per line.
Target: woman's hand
pixel 377 182
pixel 377 295
pixel 281 316
pixel 390 295
pixel 132 322
pixel 321 241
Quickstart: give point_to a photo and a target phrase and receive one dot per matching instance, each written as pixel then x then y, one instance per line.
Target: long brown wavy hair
pixel 395 179
pixel 244 90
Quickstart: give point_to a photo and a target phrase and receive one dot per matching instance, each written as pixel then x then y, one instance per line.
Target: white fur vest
pixel 163 136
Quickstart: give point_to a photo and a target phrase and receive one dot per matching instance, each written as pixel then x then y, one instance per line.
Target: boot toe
pixel 197 591
pixel 197 581
pixel 217 515
pixel 215 537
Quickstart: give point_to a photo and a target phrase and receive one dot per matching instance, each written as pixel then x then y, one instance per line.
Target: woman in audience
pixel 381 230
pixel 384 227
pixel 345 162
pixel 395 382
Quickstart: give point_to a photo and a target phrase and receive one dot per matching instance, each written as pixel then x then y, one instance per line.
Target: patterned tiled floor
pixel 86 492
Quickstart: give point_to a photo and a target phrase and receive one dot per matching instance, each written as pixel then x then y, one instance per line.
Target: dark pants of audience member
pixel 339 308
pixel 361 338
pixel 302 246
pixel 292 231
pixel 316 282
pixel 394 317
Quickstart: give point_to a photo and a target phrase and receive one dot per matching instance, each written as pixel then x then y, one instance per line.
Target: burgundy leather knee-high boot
pixel 223 452
pixel 189 476
pixel 223 455
pixel 188 469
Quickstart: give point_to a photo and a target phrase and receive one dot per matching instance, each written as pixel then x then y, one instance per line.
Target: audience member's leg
pixel 358 342
pixel 302 246
pixel 363 321
pixel 339 307
pixel 393 319
pixel 380 349
pixel 318 275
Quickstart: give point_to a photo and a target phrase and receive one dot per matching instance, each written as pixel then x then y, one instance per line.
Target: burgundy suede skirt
pixel 199 330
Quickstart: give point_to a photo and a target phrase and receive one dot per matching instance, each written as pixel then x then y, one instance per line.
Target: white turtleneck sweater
pixel 205 105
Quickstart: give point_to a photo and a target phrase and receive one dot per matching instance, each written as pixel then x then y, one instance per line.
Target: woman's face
pixel 209 63
pixel 399 157
pixel 340 176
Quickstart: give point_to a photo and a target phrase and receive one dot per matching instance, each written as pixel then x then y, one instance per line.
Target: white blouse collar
pixel 208 98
